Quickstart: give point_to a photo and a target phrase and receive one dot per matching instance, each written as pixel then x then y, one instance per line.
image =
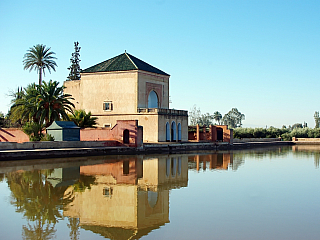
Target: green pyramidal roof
pixel 123 62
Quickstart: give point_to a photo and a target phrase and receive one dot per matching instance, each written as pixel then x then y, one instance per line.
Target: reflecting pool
pixel 270 193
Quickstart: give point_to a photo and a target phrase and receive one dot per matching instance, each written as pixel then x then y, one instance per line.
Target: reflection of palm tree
pixel 37 232
pixel 74 224
pixel 84 182
pixel 35 197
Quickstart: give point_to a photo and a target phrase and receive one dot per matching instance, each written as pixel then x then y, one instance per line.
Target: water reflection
pixel 117 197
pixel 130 198
pixel 39 201
pixel 217 161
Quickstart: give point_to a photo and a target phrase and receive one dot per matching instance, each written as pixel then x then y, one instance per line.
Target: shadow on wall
pixel 126 132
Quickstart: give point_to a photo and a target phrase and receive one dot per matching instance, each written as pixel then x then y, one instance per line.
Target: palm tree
pixel 83 119
pixel 24 104
pixel 39 58
pixel 52 103
pixel 217 116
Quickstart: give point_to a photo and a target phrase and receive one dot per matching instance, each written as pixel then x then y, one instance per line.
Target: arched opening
pixel 153 100
pixel 179 131
pixel 126 136
pixel 173 131
pixel 167 132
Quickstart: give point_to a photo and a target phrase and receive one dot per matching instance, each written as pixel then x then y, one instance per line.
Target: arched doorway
pixel 167 132
pixel 179 131
pixel 173 131
pixel 153 100
pixel 126 136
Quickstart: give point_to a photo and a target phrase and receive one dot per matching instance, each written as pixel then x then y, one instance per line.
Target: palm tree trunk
pixel 40 76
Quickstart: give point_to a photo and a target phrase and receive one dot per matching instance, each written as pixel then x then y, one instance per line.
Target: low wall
pixel 13 135
pixel 294 139
pixel 237 140
pixel 9 136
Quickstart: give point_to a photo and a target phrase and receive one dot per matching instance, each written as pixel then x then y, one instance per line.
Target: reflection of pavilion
pixel 130 197
pixel 212 161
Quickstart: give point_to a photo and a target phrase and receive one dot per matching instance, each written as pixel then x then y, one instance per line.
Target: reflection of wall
pixel 212 161
pixel 129 194
pixel 166 172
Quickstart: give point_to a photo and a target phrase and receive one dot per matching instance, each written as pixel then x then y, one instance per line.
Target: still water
pixel 258 194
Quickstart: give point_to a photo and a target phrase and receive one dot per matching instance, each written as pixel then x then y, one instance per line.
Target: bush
pixel 33 130
pixel 47 137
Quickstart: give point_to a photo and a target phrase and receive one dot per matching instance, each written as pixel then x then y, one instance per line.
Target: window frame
pixel 110 108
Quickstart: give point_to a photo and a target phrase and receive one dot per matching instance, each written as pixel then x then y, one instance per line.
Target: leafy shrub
pixel 47 137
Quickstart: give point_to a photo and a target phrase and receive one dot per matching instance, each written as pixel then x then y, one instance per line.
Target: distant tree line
pixel 233 118
pixel 285 133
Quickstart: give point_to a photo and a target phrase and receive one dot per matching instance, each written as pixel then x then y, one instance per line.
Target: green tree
pixel 39 58
pixel 83 119
pixel 233 118
pixel 194 115
pixel 75 64
pixel 205 119
pixel 217 117
pixel 24 105
pixel 41 104
pixel 316 119
pixel 52 103
pixel 297 125
pixel 1 119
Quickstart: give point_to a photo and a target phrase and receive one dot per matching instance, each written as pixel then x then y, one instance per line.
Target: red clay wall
pixel 88 134
pixel 211 135
pixel 13 135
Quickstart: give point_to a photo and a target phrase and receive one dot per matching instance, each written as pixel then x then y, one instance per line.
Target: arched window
pixel 167 132
pixel 179 131
pixel 153 100
pixel 173 131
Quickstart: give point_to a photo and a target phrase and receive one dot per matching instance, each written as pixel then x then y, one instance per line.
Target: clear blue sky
pixel 262 56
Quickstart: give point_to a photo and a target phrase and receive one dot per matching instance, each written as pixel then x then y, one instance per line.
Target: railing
pixel 163 111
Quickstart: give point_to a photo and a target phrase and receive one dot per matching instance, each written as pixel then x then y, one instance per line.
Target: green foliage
pixel 83 119
pixel 316 119
pixel 52 103
pixel 1 119
pixel 272 132
pixel 75 66
pixel 33 130
pixel 41 104
pixel 194 115
pixel 39 58
pixel 47 137
pixel 217 117
pixel 233 118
